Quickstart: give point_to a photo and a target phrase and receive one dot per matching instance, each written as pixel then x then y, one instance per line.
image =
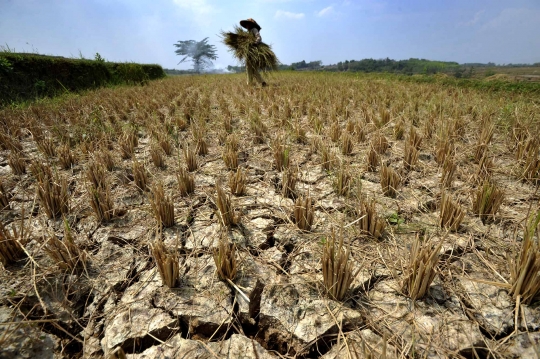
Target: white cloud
pixel 326 11
pixel 280 14
pixel 197 6
pixel 474 20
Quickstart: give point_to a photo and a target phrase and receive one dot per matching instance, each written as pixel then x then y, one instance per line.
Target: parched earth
pixel 117 303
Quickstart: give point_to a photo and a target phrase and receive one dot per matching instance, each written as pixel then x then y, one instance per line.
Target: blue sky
pixel 145 30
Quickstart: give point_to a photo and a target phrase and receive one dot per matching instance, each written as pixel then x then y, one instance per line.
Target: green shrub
pixel 30 76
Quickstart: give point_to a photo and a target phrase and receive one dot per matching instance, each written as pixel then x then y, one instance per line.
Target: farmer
pixel 252 72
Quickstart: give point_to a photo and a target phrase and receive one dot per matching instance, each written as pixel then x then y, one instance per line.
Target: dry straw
pixel 156 154
pixel 448 170
pixel 190 158
pixel 451 214
pixel 52 191
pixel 186 182
pixel 241 45
pixel 346 144
pixel 65 156
pixel 237 182
pixel 487 201
pixel 167 262
pixel 12 243
pixel 289 178
pixel 162 206
pixel 140 176
pixel 372 159
pixel 4 197
pixel 225 259
pixel 304 213
pixel 17 162
pixel 369 222
pixel 390 181
pixel 281 154
pixel 65 253
pixel 525 269
pixel 422 269
pixel 343 181
pixel 338 270
pixel 225 207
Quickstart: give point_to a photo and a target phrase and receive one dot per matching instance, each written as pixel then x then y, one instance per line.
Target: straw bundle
pixel 241 44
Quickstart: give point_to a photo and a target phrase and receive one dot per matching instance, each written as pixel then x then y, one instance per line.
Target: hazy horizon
pixel 466 32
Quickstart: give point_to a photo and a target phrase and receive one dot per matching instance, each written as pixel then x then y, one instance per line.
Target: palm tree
pixel 200 52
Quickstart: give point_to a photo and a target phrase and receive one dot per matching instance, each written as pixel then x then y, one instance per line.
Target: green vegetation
pixel 29 76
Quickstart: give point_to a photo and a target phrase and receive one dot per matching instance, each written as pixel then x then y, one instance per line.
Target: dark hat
pixel 249 23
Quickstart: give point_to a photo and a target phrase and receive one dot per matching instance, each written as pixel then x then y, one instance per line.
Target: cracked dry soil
pixel 118 302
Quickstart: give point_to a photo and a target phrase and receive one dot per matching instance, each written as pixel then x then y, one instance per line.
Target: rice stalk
pixel 186 182
pixel 17 163
pixel 422 268
pixel 12 243
pixel 167 262
pixel 369 222
pixel 225 259
pixel 289 177
pixel 450 214
pixel 225 207
pixel 304 213
pixel 338 270
pixel 64 252
pixel 390 181
pixel 191 159
pixel 487 201
pixel 525 268
pixel 162 206
pixel 52 191
pixel 237 182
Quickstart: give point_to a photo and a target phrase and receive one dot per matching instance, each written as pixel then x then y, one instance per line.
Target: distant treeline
pixel 29 76
pixel 408 67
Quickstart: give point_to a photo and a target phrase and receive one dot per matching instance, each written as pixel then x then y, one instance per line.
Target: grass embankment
pixel 31 76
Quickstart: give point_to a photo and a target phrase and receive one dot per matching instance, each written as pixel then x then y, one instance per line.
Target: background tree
pixel 201 53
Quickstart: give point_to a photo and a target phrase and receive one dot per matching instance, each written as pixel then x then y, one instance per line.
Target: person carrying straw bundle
pixel 248 48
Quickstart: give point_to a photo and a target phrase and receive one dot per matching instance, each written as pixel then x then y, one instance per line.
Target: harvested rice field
pixel 324 216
